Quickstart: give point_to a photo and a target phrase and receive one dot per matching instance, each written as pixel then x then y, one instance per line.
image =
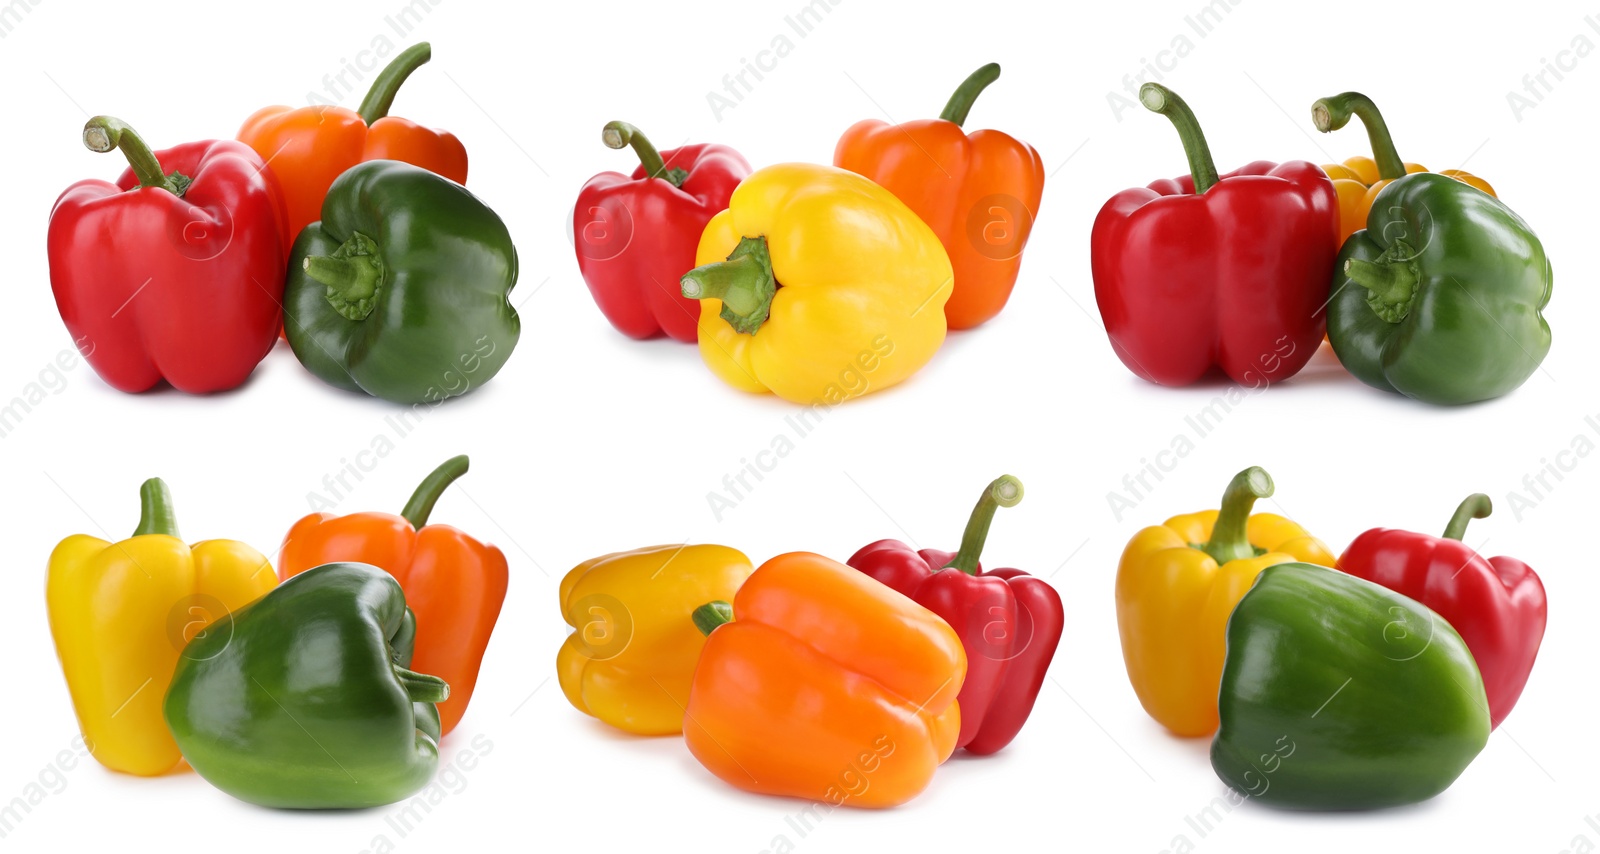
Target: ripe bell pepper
pixel 635 235
pixel 402 290
pixel 1439 299
pixel 828 686
pixel 1341 695
pixel 1215 271
pixel 454 583
pixel 817 285
pixel 634 650
pixel 1359 179
pixel 307 701
pixel 1176 585
pixel 121 613
pixel 1009 621
pixel 1496 604
pixel 979 192
pixel 308 147
pixel 175 272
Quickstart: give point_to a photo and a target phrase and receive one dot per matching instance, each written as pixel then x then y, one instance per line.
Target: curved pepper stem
pixel 353 275
pixel 1330 114
pixel 621 135
pixel 156 515
pixel 103 134
pixel 387 84
pixel 961 102
pixel 1475 506
pixel 1004 491
pixel 421 687
pixel 1159 99
pixel 1230 538
pixel 712 614
pixel 744 283
pixel 420 507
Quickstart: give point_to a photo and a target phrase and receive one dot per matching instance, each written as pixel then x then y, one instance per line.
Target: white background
pixel 588 442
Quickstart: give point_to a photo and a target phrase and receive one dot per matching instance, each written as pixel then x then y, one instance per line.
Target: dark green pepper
pixel 401 290
pixel 1439 297
pixel 1340 694
pixel 302 700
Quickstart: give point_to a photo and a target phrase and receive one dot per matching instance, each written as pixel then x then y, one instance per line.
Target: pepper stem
pixel 1391 285
pixel 420 507
pixel 961 102
pixel 621 135
pixel 156 515
pixel 421 687
pixel 1160 99
pixel 387 84
pixel 744 283
pixel 1004 491
pixel 1230 539
pixel 353 275
pixel 712 614
pixel 1474 506
pixel 1332 113
pixel 102 134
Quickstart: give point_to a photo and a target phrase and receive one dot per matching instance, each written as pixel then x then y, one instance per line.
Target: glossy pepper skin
pixel 174 272
pixel 636 234
pixel 1496 604
pixel 402 290
pixel 1009 621
pixel 831 289
pixel 1439 298
pixel 1176 585
pixel 307 702
pixel 634 649
pixel 120 613
pixel 309 147
pixel 1210 271
pixel 454 583
pixel 1359 179
pixel 979 192
pixel 1339 694
pixel 825 685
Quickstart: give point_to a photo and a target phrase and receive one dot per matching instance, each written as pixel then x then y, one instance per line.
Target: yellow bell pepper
pixel 121 614
pixel 632 656
pixel 818 285
pixel 1177 585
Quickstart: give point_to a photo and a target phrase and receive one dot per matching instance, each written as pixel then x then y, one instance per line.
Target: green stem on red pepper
pixel 420 507
pixel 960 103
pixel 422 687
pixel 744 283
pixel 1230 538
pixel 155 510
pixel 1159 99
pixel 1330 114
pixel 1474 506
pixel 621 135
pixel 1004 491
pixel 712 614
pixel 104 133
pixel 387 84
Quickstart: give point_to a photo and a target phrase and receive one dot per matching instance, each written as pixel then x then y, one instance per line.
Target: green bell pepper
pixel 301 699
pixel 1340 694
pixel 1439 297
pixel 401 290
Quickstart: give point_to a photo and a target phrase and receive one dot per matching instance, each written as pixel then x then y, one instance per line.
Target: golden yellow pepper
pixel 632 656
pixel 818 285
pixel 121 614
pixel 1177 585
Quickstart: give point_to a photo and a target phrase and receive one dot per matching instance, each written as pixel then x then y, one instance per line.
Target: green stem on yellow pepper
pixel 155 509
pixel 744 283
pixel 1004 491
pixel 960 103
pixel 1475 506
pixel 712 614
pixel 105 133
pixel 1330 114
pixel 387 84
pixel 421 687
pixel 1159 99
pixel 621 135
pixel 1230 538
pixel 421 504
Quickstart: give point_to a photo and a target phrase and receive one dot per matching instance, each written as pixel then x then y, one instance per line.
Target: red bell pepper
pixel 635 236
pixel 1009 622
pixel 1497 605
pixel 1207 271
pixel 175 272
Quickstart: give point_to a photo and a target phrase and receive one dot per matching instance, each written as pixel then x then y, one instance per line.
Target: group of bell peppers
pixel 1436 292
pixel 814 283
pixel 846 684
pixel 1367 680
pixel 329 690
pixel 349 231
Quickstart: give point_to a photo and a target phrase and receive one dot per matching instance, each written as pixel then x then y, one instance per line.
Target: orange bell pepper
pixel 829 686
pixel 454 584
pixel 308 147
pixel 979 192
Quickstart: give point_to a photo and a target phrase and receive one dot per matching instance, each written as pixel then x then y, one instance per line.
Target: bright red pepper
pixel 1207 271
pixel 176 271
pixel 1009 622
pixel 1497 604
pixel 636 236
